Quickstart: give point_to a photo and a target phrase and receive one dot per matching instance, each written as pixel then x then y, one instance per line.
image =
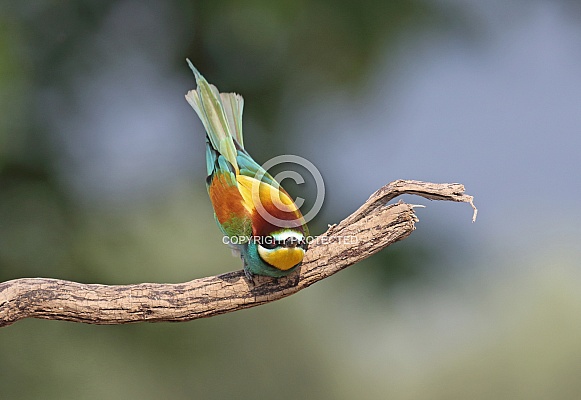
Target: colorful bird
pixel 260 221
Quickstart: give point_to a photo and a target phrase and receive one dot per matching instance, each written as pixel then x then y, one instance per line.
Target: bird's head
pixel 283 249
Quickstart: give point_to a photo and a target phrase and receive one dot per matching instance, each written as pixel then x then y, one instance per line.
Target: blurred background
pixel 102 180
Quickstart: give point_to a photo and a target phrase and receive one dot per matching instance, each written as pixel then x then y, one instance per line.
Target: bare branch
pixel 371 228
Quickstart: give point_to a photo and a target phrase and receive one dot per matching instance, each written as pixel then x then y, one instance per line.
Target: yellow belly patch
pixel 283 258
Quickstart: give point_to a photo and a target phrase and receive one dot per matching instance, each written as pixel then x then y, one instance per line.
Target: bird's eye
pixel 268 242
pixel 291 242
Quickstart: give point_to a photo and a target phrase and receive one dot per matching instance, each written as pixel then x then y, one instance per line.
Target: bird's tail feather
pixel 221 114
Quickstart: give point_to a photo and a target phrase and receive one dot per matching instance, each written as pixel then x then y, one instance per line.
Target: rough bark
pixel 371 228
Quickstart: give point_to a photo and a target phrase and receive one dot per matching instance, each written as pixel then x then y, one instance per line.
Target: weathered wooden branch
pixel 371 228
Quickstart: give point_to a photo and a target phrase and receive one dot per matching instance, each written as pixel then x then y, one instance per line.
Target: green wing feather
pixel 251 168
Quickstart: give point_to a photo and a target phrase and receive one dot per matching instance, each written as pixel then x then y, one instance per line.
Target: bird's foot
pixel 249 276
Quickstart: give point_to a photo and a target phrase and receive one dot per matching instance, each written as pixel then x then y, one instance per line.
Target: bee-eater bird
pixel 260 221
